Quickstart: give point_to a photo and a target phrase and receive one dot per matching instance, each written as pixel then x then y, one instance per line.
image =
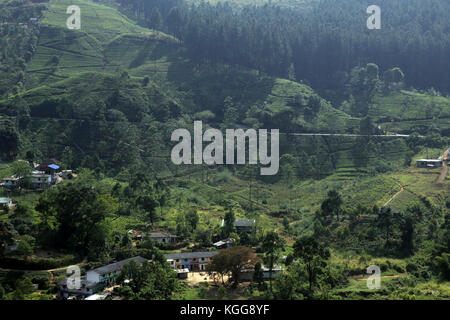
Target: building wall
pixel 92 276
pixel 161 240
pixel 424 164
pixel 194 264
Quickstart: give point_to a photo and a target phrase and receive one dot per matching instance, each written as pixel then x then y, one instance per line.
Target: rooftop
pixel 10 179
pixel 430 160
pixel 161 235
pixel 190 255
pixel 5 200
pixel 116 265
pixel 84 283
pixel 244 223
pixel 222 242
pixel 264 268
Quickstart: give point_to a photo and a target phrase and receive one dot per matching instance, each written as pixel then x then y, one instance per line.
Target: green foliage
pixel 228 226
pixel 9 144
pixel 24 248
pixel 314 255
pixel 232 261
pixel 72 217
pixel 151 281
pixel 272 245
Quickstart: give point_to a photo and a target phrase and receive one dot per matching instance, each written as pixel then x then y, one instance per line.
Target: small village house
pixel 243 225
pixel 40 180
pixel 247 274
pixel 108 274
pixel 10 182
pixel 86 289
pixel 95 279
pixel 223 244
pixel 162 237
pixel 429 163
pixel 6 203
pixel 182 273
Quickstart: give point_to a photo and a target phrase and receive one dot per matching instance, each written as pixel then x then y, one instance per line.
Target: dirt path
pixel 402 188
pixel 47 270
pixel 382 277
pixel 442 175
pixel 444 170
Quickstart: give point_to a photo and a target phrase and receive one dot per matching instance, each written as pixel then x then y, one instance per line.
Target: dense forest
pixel 319 45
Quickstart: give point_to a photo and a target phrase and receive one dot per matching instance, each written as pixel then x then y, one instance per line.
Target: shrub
pixel 221 292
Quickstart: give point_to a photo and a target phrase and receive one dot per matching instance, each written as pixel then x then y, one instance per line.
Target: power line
pixel 305 134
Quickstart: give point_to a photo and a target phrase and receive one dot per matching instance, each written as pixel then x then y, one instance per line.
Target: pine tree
pixel 156 20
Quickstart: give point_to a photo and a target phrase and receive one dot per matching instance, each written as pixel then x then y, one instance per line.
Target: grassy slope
pixel 108 42
pixel 79 50
pixel 405 111
pixel 100 21
pixel 305 196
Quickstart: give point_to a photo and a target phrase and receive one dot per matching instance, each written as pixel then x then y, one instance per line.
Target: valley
pixel 361 176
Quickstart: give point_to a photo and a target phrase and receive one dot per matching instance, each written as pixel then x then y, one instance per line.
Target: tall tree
pixel 228 226
pixel 332 204
pixel 174 22
pixel 156 20
pixel 314 255
pixel 233 260
pixel 272 245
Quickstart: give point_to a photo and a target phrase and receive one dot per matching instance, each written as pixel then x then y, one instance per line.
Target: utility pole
pixel 250 191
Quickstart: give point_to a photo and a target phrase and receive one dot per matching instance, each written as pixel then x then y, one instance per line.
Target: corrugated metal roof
pixel 244 223
pixel 160 235
pixel 116 265
pixel 190 255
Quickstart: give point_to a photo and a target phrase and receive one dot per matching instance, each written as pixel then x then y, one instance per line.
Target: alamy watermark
pixel 74 277
pixel 374 21
pixel 213 152
pixel 374 281
pixel 74 21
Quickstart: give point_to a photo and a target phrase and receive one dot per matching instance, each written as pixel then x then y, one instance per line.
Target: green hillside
pixel 100 21
pixel 62 53
pixel 407 111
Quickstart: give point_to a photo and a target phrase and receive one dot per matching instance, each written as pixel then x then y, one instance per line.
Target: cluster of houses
pixel 95 280
pixel 42 176
pixel 182 262
pixel 185 262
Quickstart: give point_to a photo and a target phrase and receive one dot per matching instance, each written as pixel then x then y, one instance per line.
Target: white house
pixel 247 274
pixel 108 274
pixel 430 163
pixel 6 202
pixel 193 261
pixel 40 179
pixel 10 182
